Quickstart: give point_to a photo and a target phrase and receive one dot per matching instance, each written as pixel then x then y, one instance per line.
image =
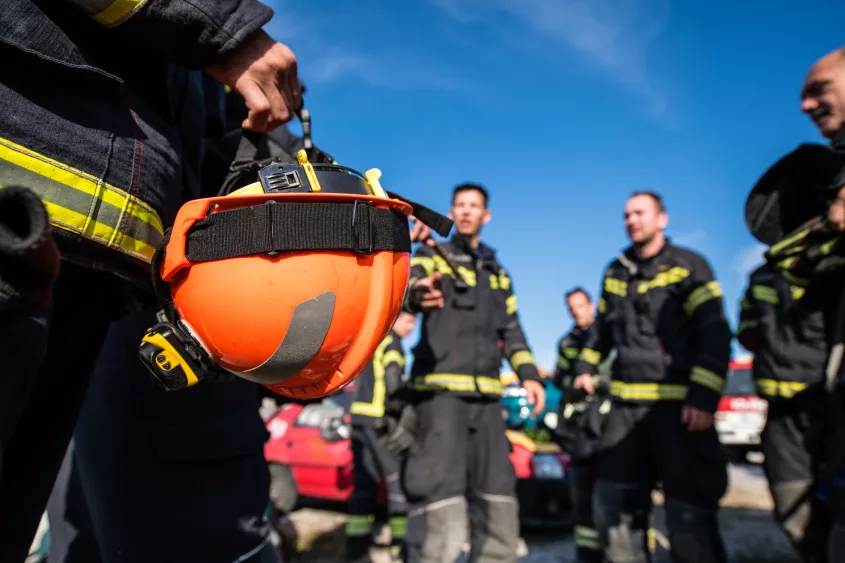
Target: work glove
pixel 398 432
pixel 29 257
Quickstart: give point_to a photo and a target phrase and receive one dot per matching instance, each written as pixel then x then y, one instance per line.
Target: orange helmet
pixel 290 282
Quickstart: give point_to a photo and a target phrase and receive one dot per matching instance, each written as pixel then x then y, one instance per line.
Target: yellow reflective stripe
pixel 774 388
pixel 118 12
pixel 672 276
pixel 521 358
pixel 398 527
pixel 592 357
pixel 489 385
pixel 80 203
pixel 465 273
pixel 702 295
pixel 562 362
pixel 586 537
pixel 375 408
pixel 797 292
pixel 746 304
pixel 708 379
pixel 458 383
pixel 763 293
pixel 602 305
pixel 571 353
pixel 393 356
pixel 359 525
pixel 504 282
pixel 510 303
pixel 615 286
pixel 647 391
pixel 425 262
pixel 440 381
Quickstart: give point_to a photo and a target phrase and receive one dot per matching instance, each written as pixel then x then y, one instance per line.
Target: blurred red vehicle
pixel 309 455
pixel 741 414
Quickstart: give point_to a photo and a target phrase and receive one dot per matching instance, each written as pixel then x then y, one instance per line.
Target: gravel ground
pixel 749 531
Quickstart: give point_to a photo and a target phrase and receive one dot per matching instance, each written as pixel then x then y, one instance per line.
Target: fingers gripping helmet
pixel 290 282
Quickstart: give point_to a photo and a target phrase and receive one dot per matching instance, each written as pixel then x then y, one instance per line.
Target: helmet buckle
pixel 362 223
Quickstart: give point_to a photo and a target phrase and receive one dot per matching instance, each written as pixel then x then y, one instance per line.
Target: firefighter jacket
pixel 568 349
pixel 665 318
pixel 380 381
pixel 784 326
pixel 459 349
pixel 88 118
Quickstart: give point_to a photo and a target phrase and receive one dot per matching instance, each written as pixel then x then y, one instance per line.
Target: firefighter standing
pixel 376 386
pixel 823 101
pixel 661 309
pixel 459 464
pixel 784 326
pixel 581 419
pixel 88 125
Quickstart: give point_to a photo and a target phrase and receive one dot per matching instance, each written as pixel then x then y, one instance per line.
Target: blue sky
pixel 562 108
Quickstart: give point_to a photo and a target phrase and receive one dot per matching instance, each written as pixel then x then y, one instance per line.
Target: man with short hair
pixel 823 100
pixel 661 309
pixel 458 472
pixel 580 422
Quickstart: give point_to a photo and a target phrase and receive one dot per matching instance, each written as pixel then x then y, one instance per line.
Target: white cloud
pixel 612 35
pixel 749 259
pixel 691 238
pixel 331 51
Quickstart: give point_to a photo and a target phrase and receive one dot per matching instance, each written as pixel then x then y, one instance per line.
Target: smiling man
pixel 661 309
pixel 823 100
pixel 459 466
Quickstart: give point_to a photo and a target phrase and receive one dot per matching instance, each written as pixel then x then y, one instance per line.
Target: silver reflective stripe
pixel 307 331
pixel 84 204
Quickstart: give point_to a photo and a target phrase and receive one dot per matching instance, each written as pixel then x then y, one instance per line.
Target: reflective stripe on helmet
pixel 81 203
pixel 311 321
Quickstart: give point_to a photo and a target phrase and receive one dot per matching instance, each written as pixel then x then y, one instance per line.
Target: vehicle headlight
pixel 547 466
pixel 550 420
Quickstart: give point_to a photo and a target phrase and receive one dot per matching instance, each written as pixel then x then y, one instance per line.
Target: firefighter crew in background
pixel 375 388
pixel 87 124
pixel 580 422
pixel 783 326
pixel 458 475
pixel 661 309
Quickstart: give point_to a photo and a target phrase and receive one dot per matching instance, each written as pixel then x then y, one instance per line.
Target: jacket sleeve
pixel 394 367
pixel 711 337
pixel 191 33
pixel 516 348
pixel 422 266
pixel 749 321
pixel 563 372
pixel 598 343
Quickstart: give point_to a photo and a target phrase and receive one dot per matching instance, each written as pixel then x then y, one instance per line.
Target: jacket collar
pixel 634 264
pixel 461 243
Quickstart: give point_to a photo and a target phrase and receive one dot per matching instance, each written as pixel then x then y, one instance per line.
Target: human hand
pixel 535 392
pixel 426 292
pixel 696 420
pixel 585 382
pixel 264 72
